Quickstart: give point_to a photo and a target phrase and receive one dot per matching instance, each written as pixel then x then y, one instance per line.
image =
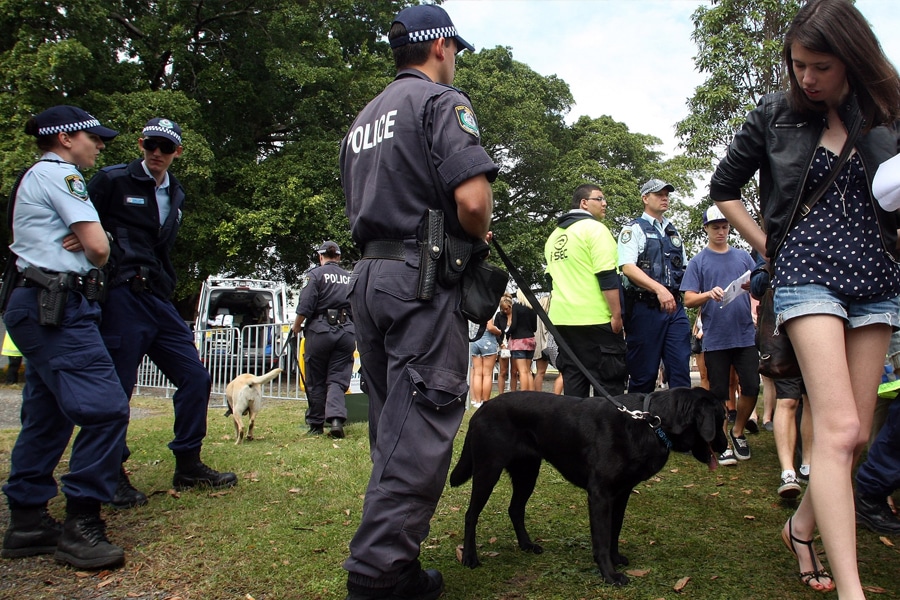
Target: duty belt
pixel 92 285
pixel 651 298
pixel 385 249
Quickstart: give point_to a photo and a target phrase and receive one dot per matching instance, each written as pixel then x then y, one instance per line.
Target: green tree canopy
pixel 265 91
pixel 739 46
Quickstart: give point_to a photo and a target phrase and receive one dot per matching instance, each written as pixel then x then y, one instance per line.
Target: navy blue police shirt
pixel 406 152
pixel 328 287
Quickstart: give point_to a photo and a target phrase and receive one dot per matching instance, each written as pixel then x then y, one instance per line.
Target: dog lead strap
pixel 654 422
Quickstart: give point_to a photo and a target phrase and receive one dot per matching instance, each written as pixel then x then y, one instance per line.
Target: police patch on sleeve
pixel 676 241
pixel 76 186
pixel 625 236
pixel 466 119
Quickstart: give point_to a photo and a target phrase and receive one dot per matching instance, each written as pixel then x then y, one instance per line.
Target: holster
pixel 53 295
pixel 431 246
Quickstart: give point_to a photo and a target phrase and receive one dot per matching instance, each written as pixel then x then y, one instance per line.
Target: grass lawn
pixel 282 533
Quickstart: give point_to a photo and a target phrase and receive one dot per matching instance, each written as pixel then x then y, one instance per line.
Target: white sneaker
pixel 476 404
pixel 727 458
pixel 790 486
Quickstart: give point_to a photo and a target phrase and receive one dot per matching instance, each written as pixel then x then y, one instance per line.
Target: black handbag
pixel 776 354
pixel 696 345
pixel 482 286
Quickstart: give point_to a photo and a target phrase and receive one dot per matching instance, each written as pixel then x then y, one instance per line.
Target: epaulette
pixel 455 89
pixel 114 167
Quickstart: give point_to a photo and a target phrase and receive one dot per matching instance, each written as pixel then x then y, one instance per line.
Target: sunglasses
pixel 165 146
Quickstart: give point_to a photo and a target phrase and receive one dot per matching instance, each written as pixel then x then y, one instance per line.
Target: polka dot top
pixel 838 244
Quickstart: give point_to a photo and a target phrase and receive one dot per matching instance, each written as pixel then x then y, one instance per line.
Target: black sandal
pixel 806 576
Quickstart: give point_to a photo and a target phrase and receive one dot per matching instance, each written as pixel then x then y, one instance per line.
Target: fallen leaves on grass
pixel 681 584
pixel 638 572
pixel 886 541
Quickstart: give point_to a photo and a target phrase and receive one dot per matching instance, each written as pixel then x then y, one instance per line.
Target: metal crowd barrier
pixel 229 351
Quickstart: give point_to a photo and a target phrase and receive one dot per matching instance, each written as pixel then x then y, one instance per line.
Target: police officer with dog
pixel 140 205
pixel 52 314
pixel 416 180
pixel 330 341
pixel 653 261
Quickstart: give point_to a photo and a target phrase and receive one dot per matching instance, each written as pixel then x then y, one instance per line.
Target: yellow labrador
pixel 244 397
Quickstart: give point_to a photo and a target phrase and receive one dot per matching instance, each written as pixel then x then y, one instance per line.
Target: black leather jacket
pixel 780 144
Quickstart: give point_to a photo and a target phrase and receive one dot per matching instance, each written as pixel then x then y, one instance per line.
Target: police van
pixel 242 323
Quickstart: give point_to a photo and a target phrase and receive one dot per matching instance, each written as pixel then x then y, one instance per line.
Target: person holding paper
pixel 728 332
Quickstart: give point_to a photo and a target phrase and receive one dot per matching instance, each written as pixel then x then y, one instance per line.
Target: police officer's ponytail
pixel 45 143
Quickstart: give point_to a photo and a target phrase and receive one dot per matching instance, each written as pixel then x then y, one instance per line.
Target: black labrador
pixel 592 444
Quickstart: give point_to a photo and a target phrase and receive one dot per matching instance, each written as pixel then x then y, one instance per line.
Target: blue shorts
pixel 815 299
pixel 529 354
pixel 486 346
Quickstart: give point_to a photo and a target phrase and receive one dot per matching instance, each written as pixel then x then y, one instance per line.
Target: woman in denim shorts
pixel 835 276
pixel 484 355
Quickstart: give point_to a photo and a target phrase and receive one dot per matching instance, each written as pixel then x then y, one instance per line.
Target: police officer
pixel 652 259
pixel 330 341
pixel 413 148
pixel 140 205
pixel 53 317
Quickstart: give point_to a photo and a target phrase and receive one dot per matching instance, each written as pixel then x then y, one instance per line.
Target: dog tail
pixel 267 377
pixel 462 472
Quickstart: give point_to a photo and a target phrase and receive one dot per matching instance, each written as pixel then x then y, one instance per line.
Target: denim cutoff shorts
pixel 485 346
pixel 815 299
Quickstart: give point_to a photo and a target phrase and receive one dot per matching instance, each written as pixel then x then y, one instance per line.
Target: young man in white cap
pixel 140 206
pixel 729 336
pixel 413 149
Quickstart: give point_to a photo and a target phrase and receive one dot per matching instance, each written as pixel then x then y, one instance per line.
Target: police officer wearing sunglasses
pixel 140 206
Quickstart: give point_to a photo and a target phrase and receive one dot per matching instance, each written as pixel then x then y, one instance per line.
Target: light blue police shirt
pixel 51 197
pixel 162 195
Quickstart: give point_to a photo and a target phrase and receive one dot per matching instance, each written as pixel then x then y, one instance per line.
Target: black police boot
pixel 419 584
pixel 337 428
pixel 31 531
pixel 315 430
pixel 875 514
pixel 191 472
pixel 127 496
pixel 84 544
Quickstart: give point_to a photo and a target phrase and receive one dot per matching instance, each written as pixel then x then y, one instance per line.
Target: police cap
pixel 329 247
pixel 67 119
pixel 426 22
pixel 163 128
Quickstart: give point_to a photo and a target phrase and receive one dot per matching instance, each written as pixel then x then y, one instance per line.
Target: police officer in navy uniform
pixel 53 317
pixel 652 259
pixel 330 341
pixel 140 205
pixel 414 147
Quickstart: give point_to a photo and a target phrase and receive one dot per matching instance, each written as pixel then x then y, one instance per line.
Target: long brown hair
pixel 837 27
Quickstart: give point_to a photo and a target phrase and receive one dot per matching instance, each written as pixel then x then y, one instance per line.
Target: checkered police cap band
pixel 424 23
pixel 151 130
pixel 431 34
pixel 67 127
